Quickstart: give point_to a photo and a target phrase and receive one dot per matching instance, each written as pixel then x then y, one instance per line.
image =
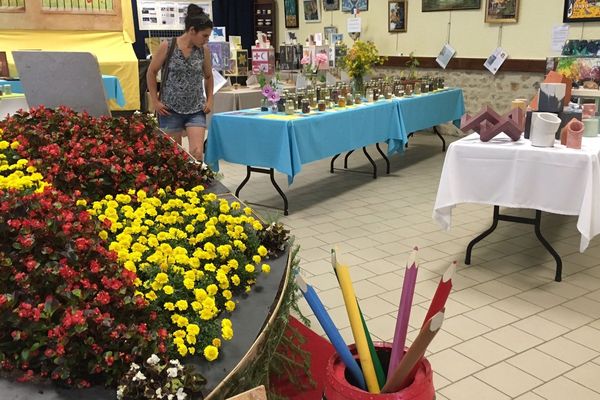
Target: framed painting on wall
pixel 331 5
pixel 397 10
pixel 360 5
pixel 328 31
pixel 500 11
pixel 3 65
pixel 312 11
pixel 581 11
pixel 445 5
pixel 291 13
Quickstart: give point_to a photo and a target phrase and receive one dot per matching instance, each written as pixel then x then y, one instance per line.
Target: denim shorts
pixel 176 122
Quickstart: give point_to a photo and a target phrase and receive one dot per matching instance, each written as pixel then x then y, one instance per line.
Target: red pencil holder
pixel 338 385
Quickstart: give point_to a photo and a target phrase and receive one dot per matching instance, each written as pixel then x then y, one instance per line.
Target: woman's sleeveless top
pixel 183 92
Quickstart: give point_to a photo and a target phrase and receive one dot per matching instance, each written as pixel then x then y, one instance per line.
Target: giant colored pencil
pixel 441 294
pixel 332 332
pixel 358 332
pixel 406 299
pixel 402 375
pixel 376 361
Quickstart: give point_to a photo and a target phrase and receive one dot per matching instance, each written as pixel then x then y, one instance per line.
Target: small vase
pixel 358 85
pixel 264 105
pixel 274 108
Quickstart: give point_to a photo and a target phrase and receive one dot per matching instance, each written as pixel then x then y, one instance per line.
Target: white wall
pixel 470 35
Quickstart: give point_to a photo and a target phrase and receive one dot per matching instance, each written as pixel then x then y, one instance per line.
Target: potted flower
pixel 311 70
pixel 359 61
pixel 271 96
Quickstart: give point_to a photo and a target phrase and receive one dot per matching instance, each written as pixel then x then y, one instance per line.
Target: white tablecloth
pixel 516 174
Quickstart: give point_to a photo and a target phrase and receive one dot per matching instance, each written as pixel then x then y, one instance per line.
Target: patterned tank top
pixel 183 92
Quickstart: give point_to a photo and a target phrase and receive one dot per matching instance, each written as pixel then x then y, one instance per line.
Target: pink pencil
pixel 442 292
pixel 406 299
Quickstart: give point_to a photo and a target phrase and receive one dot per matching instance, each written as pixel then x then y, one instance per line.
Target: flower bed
pixel 102 263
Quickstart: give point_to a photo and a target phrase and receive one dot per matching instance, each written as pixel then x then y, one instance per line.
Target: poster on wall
pixel 291 13
pixel 397 10
pixel 312 11
pixel 581 11
pixel 166 15
pixel 445 5
pixel 445 55
pixel 501 11
pixel 495 60
pixel 359 5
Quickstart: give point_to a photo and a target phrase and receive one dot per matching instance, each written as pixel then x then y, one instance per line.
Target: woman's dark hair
pixel 196 18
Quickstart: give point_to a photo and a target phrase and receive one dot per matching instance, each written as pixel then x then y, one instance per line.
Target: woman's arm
pixel 155 65
pixel 209 83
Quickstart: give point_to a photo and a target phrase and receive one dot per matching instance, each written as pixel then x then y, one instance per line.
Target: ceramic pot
pixel 543 129
pixel 551 97
pixel 591 127
pixel 574 132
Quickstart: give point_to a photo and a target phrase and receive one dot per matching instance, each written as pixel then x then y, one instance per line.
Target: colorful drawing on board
pixel 581 11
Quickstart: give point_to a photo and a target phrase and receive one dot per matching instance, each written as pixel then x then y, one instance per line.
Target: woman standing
pixel 187 74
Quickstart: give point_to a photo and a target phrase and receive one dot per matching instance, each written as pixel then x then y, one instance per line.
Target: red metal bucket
pixel 339 387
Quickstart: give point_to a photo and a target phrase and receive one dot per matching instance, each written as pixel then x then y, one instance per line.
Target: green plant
pixel 360 59
pixel 412 65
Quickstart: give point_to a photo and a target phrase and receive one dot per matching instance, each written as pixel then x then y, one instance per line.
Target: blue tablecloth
pixel 261 139
pixel 112 88
pixel 286 142
pixel 426 110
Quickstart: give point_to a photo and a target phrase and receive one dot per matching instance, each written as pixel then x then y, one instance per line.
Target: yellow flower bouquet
pixel 359 61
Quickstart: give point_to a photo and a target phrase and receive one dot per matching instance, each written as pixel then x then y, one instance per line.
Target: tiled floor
pixel 510 331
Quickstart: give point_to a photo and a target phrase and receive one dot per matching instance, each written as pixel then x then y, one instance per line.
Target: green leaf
pixel 76 292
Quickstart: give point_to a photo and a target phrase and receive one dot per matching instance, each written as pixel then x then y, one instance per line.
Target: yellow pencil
pixel 360 338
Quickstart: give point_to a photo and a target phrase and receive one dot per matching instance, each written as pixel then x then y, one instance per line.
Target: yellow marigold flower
pixel 130 266
pixel 233 263
pixel 227 333
pixel 15 145
pixel 182 349
pixel 257 225
pixel 247 210
pixel 235 205
pixel 262 251
pixel 256 259
pixel 192 350
pixel 180 333
pixel 196 305
pixel 81 202
pixel 189 283
pixel 103 235
pixel 226 322
pixel 178 341
pixel 211 353
pixel 169 306
pixel 191 339
pixel 151 295
pixel 248 289
pixel 212 289
pixel 168 289
pixel 189 228
pixel 216 342
pixel 155 286
pixel 229 305
pixel 193 329
pixel 190 275
pixel 206 314
pixel 210 267
pixel 200 294
pixel 161 278
pixel 236 280
pixel 249 268
pixel 137 281
pixel 141 195
pixel 224 208
pixel 179 192
pixel 182 322
pixel 227 294
pixel 266 268
pixel 182 305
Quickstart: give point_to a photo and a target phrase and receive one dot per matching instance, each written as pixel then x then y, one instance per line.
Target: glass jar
pixel 341 101
pixel 357 99
pixel 290 106
pixel 7 89
pixel 388 95
pixel 335 94
pixel 281 103
pixel 408 89
pixel 322 106
pixel 305 106
pixel 417 88
pixel 349 99
pixel 313 102
pixel 327 102
pixel 370 95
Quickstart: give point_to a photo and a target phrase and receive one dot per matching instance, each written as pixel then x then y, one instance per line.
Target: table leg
pixel 435 129
pixel 372 162
pixel 536 222
pixel 271 173
pixel 331 168
pixel 346 158
pixel 408 137
pixel 387 161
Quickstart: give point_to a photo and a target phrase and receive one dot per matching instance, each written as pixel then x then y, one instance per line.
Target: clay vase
pixel 573 132
pixel 589 110
pixel 590 127
pixel 543 129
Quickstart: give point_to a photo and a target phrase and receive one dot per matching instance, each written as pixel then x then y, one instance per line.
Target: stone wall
pixel 481 87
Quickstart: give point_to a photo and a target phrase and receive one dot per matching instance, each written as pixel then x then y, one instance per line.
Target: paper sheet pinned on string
pixel 495 60
pixel 560 34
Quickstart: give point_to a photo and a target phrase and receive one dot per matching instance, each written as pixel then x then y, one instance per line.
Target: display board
pixel 79 6
pixel 166 15
pixel 12 5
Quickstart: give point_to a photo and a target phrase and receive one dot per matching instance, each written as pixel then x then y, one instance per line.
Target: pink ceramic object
pixel 489 123
pixel 589 110
pixel 574 133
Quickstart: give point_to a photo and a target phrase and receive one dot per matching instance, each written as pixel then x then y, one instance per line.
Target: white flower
pixel 172 372
pixel 120 391
pixel 181 395
pixel 134 367
pixel 139 377
pixel 174 362
pixel 159 392
pixel 153 360
pixel 170 397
